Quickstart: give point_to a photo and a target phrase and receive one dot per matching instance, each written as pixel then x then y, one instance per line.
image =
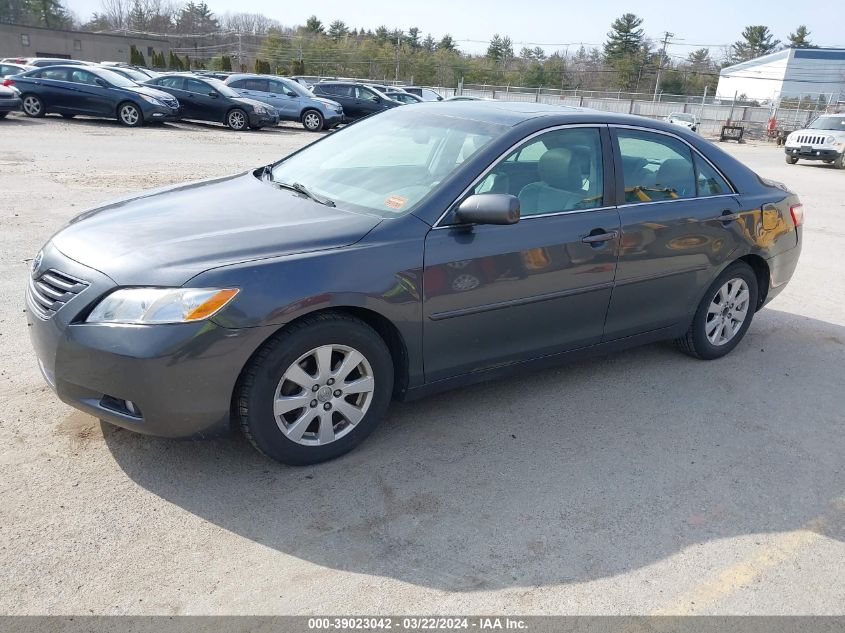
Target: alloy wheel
pixel 32 105
pixel 129 114
pixel 311 121
pixel 727 311
pixel 237 120
pixel 323 395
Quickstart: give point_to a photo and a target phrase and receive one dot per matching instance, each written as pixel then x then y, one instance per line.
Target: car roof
pixel 511 113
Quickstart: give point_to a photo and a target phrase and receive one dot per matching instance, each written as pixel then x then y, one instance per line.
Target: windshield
pixel 299 89
pixel 681 116
pixel 222 88
pixel 131 74
pixel 387 163
pixel 829 123
pixel 116 80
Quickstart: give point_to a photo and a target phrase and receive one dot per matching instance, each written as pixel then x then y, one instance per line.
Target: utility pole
pixel 398 48
pixel 666 37
pixel 240 53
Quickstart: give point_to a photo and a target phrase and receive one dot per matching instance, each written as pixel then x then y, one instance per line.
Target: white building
pixel 794 72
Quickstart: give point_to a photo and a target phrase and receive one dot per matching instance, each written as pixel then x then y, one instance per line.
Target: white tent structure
pixel 793 72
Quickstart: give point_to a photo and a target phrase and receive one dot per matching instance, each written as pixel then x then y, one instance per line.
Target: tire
pixel 68 116
pixel 319 429
pixel 33 106
pixel 130 115
pixel 791 160
pixel 237 119
pixel 696 341
pixel 312 120
pixel 839 162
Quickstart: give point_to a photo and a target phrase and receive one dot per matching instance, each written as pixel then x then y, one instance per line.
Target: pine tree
pixel 338 30
pixel 313 25
pixel 625 38
pixel 756 41
pixel 173 62
pixel 801 38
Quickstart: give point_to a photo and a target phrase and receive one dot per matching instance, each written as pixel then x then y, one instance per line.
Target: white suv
pixel 684 119
pixel 823 139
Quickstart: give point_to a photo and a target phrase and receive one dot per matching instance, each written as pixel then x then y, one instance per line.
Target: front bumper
pixel 331 119
pixel 178 379
pixel 160 113
pixel 811 153
pixel 263 120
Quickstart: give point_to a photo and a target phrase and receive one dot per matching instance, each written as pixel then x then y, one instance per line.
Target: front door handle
pixel 599 237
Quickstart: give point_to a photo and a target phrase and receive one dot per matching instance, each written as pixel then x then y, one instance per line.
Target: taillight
pixel 797 212
pixel 8 82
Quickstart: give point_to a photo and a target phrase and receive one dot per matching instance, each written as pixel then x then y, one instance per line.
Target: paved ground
pixel 644 482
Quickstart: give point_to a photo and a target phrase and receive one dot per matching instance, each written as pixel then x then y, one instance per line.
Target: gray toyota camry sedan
pixel 421 249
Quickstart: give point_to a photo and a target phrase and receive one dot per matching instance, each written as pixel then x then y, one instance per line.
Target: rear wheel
pixel 33 106
pixel 724 314
pixel 237 119
pixel 791 160
pixel 312 120
pixel 316 390
pixel 129 114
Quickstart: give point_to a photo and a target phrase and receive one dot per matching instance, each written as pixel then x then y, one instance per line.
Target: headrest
pixel 560 170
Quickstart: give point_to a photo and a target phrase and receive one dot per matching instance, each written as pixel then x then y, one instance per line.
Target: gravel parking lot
pixel 645 482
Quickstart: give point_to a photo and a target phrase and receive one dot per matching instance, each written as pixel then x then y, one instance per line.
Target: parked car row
pixel 135 96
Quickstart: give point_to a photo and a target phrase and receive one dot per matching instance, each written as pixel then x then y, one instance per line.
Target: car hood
pixel 150 92
pixel 166 236
pixel 836 134
pixel 327 102
pixel 248 101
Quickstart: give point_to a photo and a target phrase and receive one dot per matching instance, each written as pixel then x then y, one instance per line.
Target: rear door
pixel 55 89
pixel 344 94
pixel 679 226
pixel 494 295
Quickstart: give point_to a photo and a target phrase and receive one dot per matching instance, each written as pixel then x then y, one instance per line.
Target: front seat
pixel 560 184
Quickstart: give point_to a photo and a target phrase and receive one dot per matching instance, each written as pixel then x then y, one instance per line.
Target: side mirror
pixel 377 99
pixel 291 93
pixel 213 94
pixel 101 82
pixel 489 208
pixel 440 98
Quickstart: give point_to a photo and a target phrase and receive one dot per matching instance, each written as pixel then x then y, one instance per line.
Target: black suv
pixel 357 99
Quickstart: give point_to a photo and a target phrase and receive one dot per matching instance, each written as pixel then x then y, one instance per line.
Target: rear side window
pixel 255 84
pixel 655 167
pixel 708 180
pixel 174 83
pixel 56 74
pixel 277 88
pixel 240 83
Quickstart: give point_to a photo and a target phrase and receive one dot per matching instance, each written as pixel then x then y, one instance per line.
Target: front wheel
pixel 839 162
pixel 312 120
pixel 130 115
pixel 724 314
pixel 791 160
pixel 33 106
pixel 315 390
pixel 237 119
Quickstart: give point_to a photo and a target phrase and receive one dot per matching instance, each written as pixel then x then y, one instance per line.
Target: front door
pixel 206 103
pixel 679 226
pixel 284 99
pixel 90 97
pixel 498 294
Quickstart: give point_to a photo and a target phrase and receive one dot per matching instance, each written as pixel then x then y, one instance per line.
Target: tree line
pixel 629 60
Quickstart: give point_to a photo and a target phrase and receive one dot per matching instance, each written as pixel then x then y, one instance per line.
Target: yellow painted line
pixel 782 547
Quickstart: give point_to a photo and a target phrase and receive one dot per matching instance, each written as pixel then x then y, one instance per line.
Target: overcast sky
pixel 554 23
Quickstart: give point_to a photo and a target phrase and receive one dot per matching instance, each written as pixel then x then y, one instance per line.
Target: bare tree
pixel 115 13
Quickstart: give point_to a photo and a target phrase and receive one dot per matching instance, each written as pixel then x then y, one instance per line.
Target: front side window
pixel 554 172
pixel 83 77
pixel 193 85
pixel 655 167
pixel 364 94
pixel 387 164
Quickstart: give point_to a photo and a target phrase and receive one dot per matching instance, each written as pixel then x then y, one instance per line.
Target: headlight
pixel 830 140
pixel 260 109
pixel 152 100
pixel 161 305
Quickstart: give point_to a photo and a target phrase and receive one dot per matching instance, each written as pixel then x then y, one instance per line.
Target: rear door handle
pixel 599 237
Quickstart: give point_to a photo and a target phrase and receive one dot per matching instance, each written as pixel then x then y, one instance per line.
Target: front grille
pixel 173 103
pixel 51 291
pixel 807 139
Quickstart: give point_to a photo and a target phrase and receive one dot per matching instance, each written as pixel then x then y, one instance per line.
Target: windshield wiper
pixel 300 188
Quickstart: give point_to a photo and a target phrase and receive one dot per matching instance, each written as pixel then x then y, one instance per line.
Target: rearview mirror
pixel 489 208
